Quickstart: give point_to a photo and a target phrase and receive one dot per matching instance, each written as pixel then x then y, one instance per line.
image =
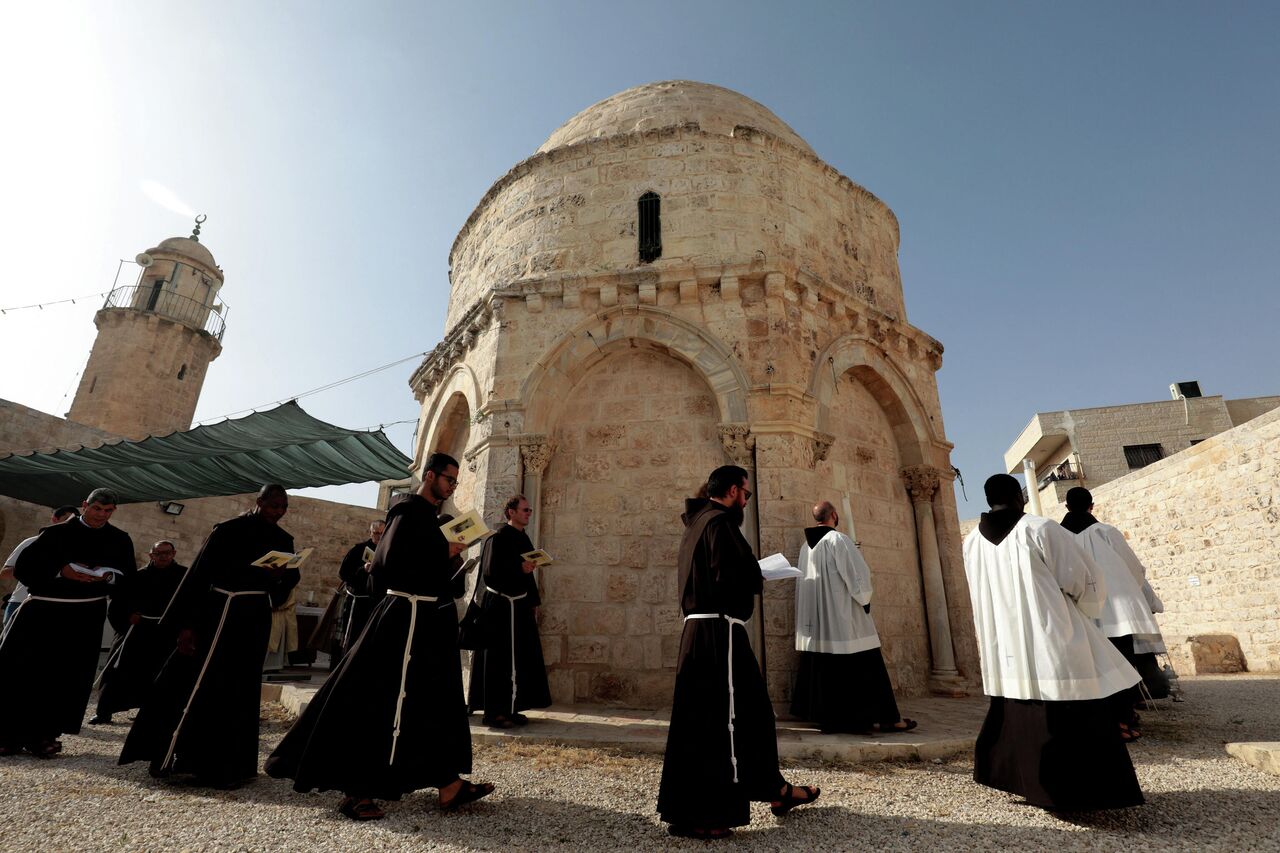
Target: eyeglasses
pixel 748 493
pixel 452 481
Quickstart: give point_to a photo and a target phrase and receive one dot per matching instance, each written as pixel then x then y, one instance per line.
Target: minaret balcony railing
pixel 191 313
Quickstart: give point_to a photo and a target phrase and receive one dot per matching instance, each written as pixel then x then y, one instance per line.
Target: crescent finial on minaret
pixel 195 235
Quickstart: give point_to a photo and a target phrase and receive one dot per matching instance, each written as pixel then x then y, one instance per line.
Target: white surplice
pixel 834 586
pixel 1126 610
pixel 1035 596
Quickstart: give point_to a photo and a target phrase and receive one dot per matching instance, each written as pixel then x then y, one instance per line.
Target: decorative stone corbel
pixel 738 443
pixel 535 452
pixel 819 447
pixel 922 482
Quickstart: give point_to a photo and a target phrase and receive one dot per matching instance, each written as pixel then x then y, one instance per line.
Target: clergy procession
pixel 1063 617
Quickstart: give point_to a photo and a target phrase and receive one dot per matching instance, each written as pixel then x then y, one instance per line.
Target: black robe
pixel 510 645
pixel 357 592
pixel 719 574
pixel 843 692
pixel 141 648
pixel 404 669
pixel 49 651
pixel 201 716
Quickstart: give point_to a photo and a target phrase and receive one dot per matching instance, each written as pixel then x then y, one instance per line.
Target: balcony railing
pixel 182 309
pixel 1060 472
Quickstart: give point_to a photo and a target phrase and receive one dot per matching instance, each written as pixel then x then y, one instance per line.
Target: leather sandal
pixel 44 749
pixel 468 793
pixel 789 800
pixel 361 809
pixel 718 833
pixel 907 725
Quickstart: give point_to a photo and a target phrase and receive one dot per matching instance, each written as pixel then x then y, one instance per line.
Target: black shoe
pixel 520 719
pixel 100 719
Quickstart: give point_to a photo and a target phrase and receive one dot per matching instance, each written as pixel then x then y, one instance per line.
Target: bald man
pixel 842 684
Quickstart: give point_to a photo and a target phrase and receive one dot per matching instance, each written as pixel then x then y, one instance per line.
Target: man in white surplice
pixel 841 682
pixel 1128 615
pixel 1051 733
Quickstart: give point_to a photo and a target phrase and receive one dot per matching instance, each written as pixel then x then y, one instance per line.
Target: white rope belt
pixel 511 601
pixel 348 591
pixel 346 635
pixel 404 666
pixel 30 597
pixel 226 607
pixel 117 655
pixel 733 753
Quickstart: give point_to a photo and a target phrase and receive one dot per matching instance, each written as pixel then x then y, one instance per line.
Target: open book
pixel 97 572
pixel 283 559
pixel 367 556
pixel 538 557
pixel 776 567
pixel 467 528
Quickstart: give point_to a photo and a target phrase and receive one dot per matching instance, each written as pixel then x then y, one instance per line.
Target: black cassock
pixel 357 590
pixel 50 648
pixel 711 774
pixel 140 648
pixel 201 716
pixel 507 672
pixel 391 718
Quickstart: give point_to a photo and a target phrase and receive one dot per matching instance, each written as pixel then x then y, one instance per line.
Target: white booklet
pixel 538 557
pixel 776 567
pixel 98 572
pixel 283 559
pixel 468 528
pixel 367 556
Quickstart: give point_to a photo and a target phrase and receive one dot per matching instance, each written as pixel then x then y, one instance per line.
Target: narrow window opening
pixel 182 372
pixel 93 384
pixel 650 227
pixel 155 294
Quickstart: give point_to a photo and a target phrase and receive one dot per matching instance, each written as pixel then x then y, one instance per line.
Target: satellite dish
pixel 144 260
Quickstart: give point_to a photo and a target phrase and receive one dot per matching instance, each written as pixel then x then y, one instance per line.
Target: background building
pixel 673 281
pixel 1089 447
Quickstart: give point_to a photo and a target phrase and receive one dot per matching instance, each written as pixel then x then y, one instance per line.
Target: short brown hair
pixel 513 503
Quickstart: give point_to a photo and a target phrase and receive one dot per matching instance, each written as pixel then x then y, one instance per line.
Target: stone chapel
pixel 674 281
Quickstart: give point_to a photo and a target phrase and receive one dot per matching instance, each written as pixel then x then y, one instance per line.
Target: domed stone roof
pixel 188 247
pixel 671 103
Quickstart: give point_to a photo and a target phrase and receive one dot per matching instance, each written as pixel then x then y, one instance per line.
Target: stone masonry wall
pixel 636 438
pixel 573 210
pixel 1210 514
pixel 131 385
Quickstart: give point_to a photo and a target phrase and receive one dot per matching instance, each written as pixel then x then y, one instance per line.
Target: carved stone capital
pixel 738 443
pixel 535 452
pixel 922 482
pixel 819 447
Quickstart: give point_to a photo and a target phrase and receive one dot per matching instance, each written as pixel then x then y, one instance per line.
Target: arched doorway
pixel 636 434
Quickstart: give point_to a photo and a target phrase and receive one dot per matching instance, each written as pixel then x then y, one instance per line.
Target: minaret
pixel 155 341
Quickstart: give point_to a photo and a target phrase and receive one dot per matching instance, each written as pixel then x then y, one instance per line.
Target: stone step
pixel 948 727
pixel 1264 755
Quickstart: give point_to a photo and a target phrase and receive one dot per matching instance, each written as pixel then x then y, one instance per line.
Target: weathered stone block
pixel 1216 653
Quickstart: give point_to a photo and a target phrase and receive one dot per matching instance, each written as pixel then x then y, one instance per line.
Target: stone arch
pixel 576 352
pixel 460 381
pixel 912 427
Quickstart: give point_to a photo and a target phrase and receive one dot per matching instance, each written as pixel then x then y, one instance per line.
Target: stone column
pixel 740 447
pixel 922 484
pixel 535 453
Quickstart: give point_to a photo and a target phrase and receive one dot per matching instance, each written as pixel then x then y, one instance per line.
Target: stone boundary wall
pixel 1206 523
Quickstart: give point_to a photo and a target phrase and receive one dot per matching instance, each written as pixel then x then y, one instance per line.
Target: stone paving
pixel 947 727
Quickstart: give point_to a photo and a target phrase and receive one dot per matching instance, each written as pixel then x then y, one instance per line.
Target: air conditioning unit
pixel 1187 390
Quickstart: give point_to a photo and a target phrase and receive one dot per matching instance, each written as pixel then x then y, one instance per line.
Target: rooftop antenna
pixel 195 235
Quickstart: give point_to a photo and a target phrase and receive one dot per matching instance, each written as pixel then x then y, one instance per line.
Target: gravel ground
pixel 1198 798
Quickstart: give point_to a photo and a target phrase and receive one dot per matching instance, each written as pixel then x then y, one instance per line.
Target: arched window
pixel 650 227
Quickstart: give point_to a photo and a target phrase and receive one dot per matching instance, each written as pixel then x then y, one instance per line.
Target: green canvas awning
pixel 284 445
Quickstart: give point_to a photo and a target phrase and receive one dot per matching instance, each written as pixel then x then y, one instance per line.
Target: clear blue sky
pixel 1087 191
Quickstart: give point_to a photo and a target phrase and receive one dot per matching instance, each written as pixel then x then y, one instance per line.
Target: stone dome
pixel 671 103
pixel 187 247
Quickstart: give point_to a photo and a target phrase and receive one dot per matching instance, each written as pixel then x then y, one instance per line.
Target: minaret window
pixel 155 294
pixel 182 373
pixel 649 215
